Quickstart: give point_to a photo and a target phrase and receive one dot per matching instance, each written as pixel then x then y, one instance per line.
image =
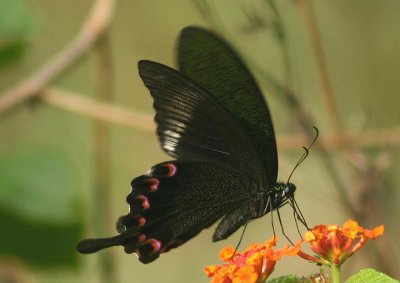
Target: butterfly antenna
pixel 305 154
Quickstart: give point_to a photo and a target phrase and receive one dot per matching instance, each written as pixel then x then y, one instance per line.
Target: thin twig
pixel 97 110
pixel 366 194
pixel 303 116
pixel 102 193
pixel 123 117
pixel 97 21
pixel 311 28
pixel 322 73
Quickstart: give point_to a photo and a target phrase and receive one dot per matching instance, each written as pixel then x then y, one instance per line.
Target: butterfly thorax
pixel 280 194
pixel 273 198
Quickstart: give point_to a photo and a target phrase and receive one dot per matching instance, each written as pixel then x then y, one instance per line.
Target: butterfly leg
pixel 282 229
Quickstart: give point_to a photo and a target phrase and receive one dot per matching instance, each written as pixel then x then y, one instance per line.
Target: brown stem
pixel 102 194
pixel 97 21
pixel 97 109
pixel 350 146
pixel 322 72
pixel 113 114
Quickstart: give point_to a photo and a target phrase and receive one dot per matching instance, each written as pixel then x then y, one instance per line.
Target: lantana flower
pixel 333 245
pixel 254 265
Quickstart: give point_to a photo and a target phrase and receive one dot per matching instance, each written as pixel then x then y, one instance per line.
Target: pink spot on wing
pixel 156 244
pixel 141 238
pixel 172 169
pixel 140 220
pixel 155 247
pixel 154 184
pixel 144 200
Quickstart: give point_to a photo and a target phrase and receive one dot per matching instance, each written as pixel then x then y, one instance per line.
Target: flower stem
pixel 335 273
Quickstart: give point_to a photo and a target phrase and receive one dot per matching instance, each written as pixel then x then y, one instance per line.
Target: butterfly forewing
pixel 213 65
pixel 192 125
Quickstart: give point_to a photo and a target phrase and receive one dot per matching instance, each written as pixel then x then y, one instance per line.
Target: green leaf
pixel 39 184
pixel 370 276
pixel 39 243
pixel 39 207
pixel 16 24
pixel 319 277
pixel 285 279
pixel 12 51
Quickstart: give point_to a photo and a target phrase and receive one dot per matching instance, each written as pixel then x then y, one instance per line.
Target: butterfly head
pixel 289 190
pixel 281 194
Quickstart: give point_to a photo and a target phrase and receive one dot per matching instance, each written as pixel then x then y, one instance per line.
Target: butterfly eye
pixel 290 189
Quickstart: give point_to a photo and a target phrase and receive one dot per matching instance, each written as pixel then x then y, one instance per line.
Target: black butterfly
pixel 212 118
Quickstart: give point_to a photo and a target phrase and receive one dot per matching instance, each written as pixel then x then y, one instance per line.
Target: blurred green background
pixel 50 159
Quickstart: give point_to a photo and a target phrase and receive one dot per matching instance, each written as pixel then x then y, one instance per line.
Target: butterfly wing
pixel 213 65
pixel 172 203
pixel 218 172
pixel 192 125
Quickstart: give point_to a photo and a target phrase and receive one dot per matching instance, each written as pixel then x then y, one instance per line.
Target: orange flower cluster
pixel 254 265
pixel 333 245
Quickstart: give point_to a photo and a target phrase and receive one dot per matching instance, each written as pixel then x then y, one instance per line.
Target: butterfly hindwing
pixel 172 203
